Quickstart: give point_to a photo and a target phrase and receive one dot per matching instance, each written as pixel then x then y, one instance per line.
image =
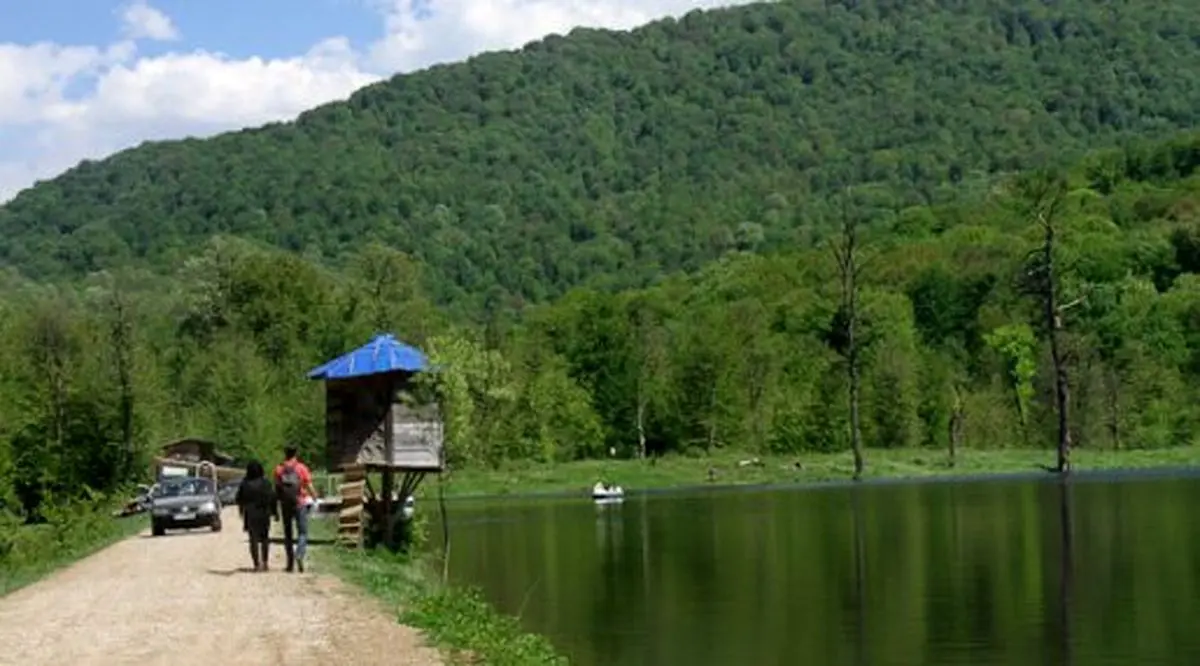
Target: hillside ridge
pixel 611 158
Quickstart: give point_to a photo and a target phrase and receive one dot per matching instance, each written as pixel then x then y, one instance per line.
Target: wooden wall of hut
pixel 355 425
pixel 354 411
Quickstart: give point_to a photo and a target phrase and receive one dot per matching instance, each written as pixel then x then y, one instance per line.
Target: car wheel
pixel 157 529
pixel 216 526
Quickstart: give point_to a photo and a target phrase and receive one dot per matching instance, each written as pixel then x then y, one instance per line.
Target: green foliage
pixel 1017 345
pixel 71 530
pixel 473 383
pixel 739 354
pixel 610 158
pixel 464 620
pixel 625 236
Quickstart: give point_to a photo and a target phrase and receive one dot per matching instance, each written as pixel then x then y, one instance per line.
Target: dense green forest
pixel 623 241
pixel 611 158
pixel 744 353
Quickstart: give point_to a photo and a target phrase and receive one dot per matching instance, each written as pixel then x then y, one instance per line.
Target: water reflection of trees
pixel 1066 570
pixel 860 580
pixel 935 574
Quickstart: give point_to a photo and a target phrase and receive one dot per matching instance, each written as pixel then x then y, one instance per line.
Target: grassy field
pixel 31 552
pixel 728 469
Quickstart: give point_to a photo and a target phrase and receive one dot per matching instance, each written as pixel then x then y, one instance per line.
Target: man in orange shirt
pixel 294 487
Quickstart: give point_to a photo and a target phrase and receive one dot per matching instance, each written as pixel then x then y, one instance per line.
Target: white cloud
pixel 134 99
pixel 131 98
pixel 424 32
pixel 141 21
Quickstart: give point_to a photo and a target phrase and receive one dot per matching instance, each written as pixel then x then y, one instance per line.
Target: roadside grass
pixel 457 620
pixel 29 553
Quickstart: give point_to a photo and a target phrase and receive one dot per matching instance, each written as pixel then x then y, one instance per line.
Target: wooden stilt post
pixel 388 456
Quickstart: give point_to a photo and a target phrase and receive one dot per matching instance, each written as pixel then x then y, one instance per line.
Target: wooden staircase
pixel 350 515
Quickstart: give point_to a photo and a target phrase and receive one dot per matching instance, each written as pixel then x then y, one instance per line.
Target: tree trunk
pixel 851 295
pixel 956 425
pixel 712 418
pixel 1114 409
pixel 641 422
pixel 855 425
pixel 756 388
pixel 848 267
pixel 123 360
pixel 1062 389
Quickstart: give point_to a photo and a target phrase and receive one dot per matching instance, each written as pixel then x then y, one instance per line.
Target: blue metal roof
pixel 384 353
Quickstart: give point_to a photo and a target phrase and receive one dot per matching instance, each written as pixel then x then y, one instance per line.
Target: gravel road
pixel 186 598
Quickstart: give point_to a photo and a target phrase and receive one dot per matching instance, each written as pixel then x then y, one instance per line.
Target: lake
pixel 1094 571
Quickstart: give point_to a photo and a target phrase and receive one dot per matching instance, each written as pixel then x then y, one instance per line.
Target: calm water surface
pixel 1087 573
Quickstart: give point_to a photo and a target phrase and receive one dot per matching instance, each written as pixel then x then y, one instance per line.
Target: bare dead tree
pixel 1045 195
pixel 846 252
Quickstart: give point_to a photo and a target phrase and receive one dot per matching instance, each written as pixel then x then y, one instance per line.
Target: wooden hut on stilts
pixel 377 421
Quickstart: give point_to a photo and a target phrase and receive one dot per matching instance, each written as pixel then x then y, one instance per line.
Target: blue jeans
pixel 300 515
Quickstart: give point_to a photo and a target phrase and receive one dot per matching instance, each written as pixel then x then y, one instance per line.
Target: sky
pixel 82 79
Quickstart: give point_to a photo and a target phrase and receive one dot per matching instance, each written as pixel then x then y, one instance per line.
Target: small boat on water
pixel 606 494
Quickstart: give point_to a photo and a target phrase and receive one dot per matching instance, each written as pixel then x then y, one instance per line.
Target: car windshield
pixel 184 488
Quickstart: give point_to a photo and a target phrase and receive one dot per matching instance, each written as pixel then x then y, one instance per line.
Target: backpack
pixel 288 488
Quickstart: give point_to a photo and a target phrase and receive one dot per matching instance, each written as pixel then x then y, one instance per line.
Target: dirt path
pixel 185 598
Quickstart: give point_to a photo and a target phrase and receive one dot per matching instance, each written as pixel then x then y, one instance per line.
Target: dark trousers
pixel 260 542
pixel 295 533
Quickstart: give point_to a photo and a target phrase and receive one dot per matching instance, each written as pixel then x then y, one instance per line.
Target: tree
pixel 121 343
pixel 64 442
pixel 847 254
pixel 1043 194
pixel 1015 344
pixel 392 293
pixel 651 352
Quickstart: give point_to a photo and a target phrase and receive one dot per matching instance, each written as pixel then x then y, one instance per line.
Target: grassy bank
pixel 31 552
pixel 458 621
pixel 728 469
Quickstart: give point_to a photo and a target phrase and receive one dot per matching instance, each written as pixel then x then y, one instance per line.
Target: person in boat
pixel 604 488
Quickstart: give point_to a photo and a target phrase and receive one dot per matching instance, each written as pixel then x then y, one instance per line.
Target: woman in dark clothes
pixel 257 503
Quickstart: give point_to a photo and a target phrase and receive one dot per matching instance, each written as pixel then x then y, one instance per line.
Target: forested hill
pixel 616 156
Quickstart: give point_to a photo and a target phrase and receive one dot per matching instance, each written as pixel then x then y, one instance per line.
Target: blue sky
pixel 81 79
pixel 269 28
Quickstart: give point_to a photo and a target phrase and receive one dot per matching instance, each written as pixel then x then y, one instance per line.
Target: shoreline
pixel 812 471
pixel 1080 476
